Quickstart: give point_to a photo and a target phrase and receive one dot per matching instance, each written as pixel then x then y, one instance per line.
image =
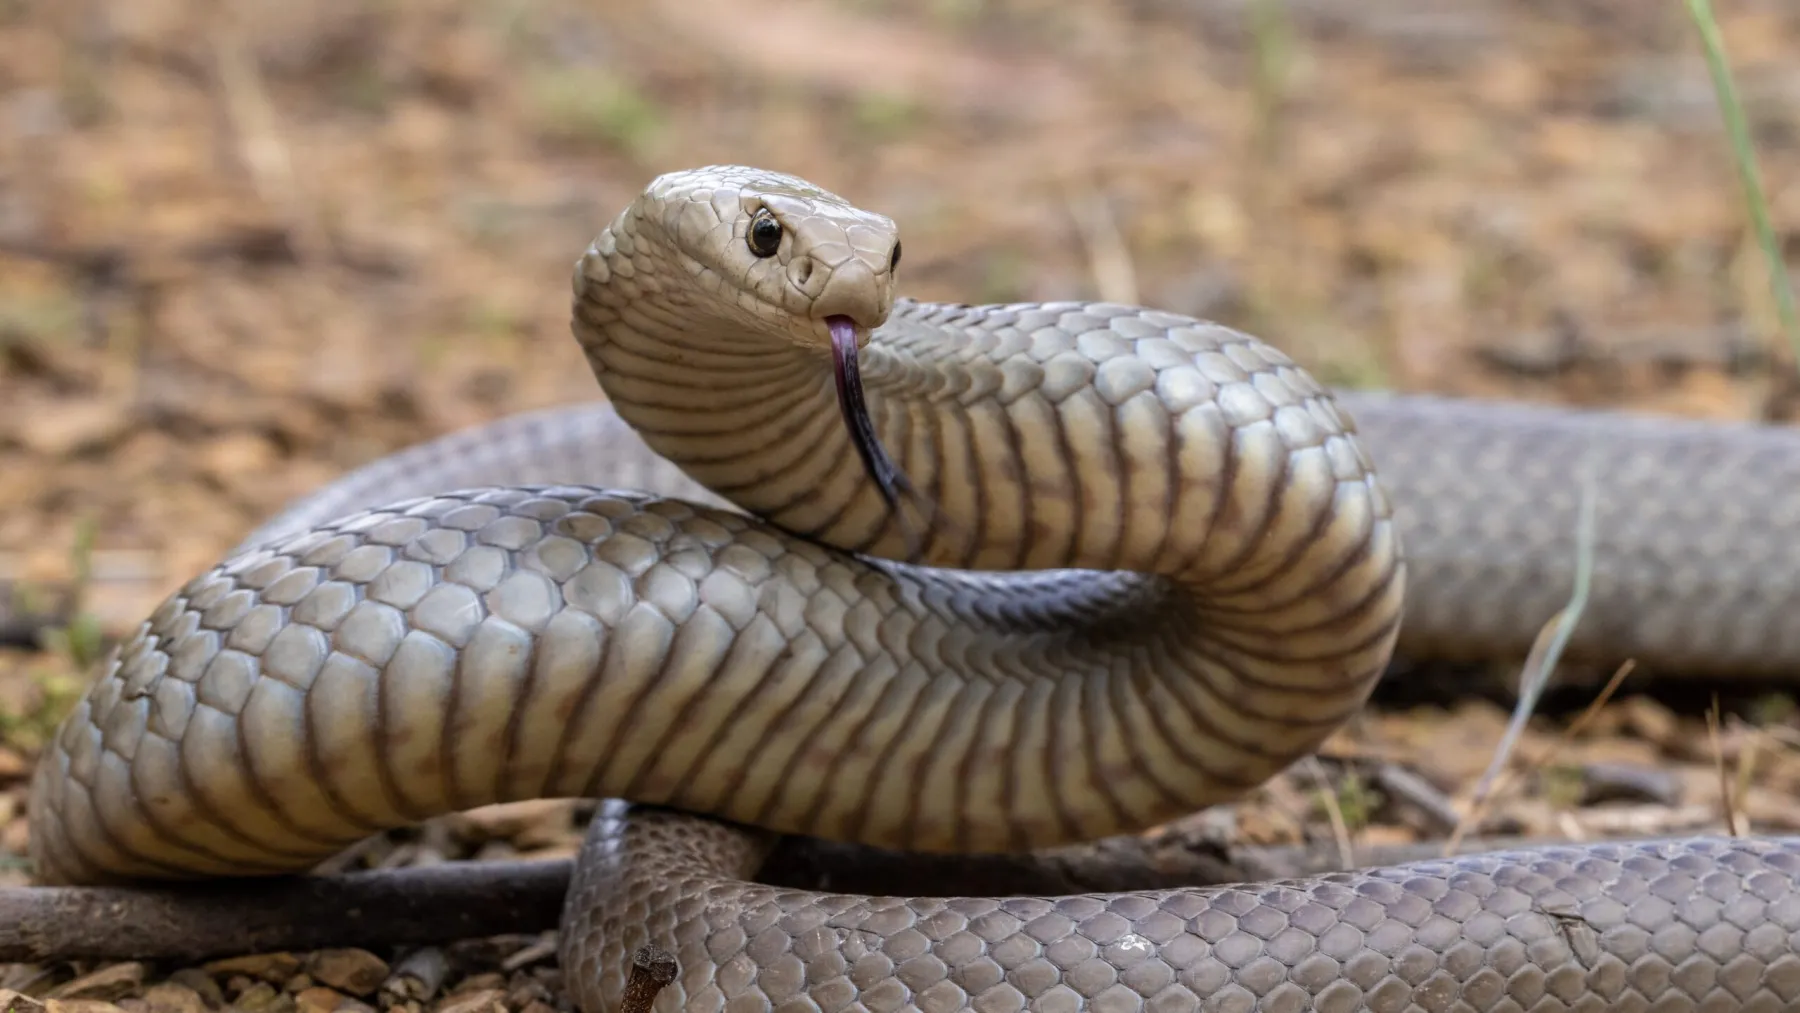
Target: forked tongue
pixel 887 476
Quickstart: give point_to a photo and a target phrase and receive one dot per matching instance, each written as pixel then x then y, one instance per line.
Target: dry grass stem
pixel 1340 829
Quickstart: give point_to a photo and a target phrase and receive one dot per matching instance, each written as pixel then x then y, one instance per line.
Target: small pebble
pixel 320 999
pixel 492 980
pixel 79 1006
pixel 203 985
pixel 263 998
pixel 271 967
pixel 1629 782
pixel 524 990
pixel 26 979
pixel 418 975
pixel 173 997
pixel 486 1000
pixel 524 824
pixel 1651 721
pixel 357 972
pixel 542 950
pixel 114 981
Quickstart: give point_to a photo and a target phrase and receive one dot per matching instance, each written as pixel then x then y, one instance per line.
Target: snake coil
pixel 1153 567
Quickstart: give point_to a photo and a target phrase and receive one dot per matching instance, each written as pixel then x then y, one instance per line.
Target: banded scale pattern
pixel 1157 566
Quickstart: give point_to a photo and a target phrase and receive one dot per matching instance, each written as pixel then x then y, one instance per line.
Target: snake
pixel 831 562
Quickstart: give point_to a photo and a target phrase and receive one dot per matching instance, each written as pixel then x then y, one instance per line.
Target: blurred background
pixel 245 247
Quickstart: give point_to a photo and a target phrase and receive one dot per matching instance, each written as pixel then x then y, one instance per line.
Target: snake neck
pixel 1032 438
pixel 1245 554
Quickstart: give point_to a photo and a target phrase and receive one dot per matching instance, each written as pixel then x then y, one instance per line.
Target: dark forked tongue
pixel 887 476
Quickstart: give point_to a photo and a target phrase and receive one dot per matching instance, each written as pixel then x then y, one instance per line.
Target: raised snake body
pixel 1158 567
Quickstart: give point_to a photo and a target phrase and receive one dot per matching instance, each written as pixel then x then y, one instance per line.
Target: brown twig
pixel 419 905
pixel 651 969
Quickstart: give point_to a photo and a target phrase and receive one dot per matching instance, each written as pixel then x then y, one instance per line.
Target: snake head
pixel 713 259
pixel 753 253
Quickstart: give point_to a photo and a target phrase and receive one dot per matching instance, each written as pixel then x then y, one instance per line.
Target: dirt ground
pixel 243 250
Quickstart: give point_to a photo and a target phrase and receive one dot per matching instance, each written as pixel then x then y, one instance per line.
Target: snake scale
pixel 951 578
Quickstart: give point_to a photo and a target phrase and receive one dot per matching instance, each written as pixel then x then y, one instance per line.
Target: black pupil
pixel 765 235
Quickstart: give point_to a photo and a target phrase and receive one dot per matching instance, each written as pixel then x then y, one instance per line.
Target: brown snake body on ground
pixel 1209 581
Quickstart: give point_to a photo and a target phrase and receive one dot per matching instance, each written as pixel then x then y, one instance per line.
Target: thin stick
pixel 1725 792
pixel 651 969
pixel 418 905
pixel 1340 830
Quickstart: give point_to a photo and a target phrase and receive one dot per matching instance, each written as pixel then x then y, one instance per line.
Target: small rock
pixel 1628 782
pixel 270 967
pixel 27 979
pixel 488 951
pixel 173 997
pixel 484 1000
pixel 1422 803
pixel 320 999
pixel 417 976
pixel 480 983
pixel 526 991
pixel 1650 720
pixel 550 976
pixel 263 998
pixel 79 1006
pixel 75 426
pixel 18 1002
pixel 298 983
pixel 542 951
pixel 202 984
pixel 114 981
pixel 238 457
pixel 357 972
pixel 15 836
pixel 496 851
pixel 526 824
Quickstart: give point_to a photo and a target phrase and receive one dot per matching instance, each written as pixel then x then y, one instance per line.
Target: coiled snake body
pixel 1151 565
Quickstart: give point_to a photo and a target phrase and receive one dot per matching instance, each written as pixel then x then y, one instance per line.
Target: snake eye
pixel 894 258
pixel 765 234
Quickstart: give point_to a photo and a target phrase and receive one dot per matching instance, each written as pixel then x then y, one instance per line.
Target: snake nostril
pixel 803 269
